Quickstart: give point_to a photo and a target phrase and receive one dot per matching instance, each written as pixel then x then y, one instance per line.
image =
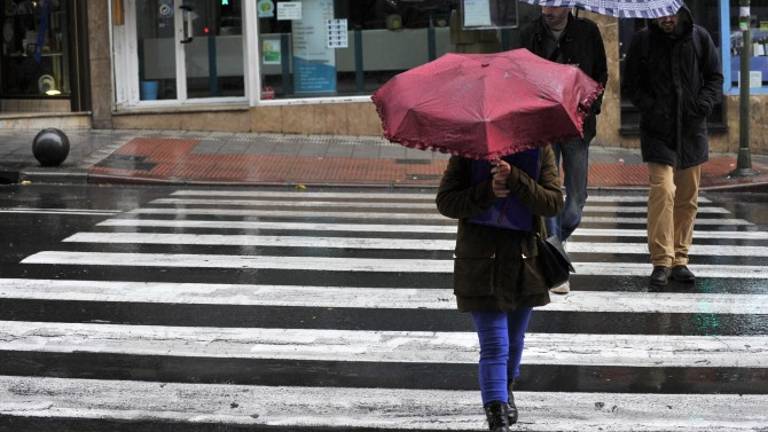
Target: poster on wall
pixel 289 11
pixel 477 13
pixel 271 52
pixel 314 63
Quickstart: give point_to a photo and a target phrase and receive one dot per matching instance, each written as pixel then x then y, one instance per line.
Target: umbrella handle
pixel 503 210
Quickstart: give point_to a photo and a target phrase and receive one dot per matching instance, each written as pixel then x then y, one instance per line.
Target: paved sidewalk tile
pixel 341 161
pixel 174 160
pixel 244 158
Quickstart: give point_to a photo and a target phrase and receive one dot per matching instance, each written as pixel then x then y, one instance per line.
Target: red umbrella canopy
pixel 484 106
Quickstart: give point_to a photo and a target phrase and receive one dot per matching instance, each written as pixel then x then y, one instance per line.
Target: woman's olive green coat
pixel 488 260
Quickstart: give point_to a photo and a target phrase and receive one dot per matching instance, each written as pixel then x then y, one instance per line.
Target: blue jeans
pixel 501 335
pixel 575 156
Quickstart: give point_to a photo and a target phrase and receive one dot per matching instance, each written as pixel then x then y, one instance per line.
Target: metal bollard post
pixel 359 66
pixel 744 160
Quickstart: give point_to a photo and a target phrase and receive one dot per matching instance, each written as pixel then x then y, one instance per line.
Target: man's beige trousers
pixel 672 206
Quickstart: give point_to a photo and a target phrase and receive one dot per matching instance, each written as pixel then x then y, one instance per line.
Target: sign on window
pixel 488 14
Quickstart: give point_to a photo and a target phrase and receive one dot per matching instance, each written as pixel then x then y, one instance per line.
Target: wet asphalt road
pixel 37 219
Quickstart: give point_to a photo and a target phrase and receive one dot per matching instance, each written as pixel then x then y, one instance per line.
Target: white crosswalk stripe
pixel 379 205
pixel 371 407
pixel 373 243
pixel 382 346
pixel 393 228
pixel 638 198
pixel 365 297
pixel 334 310
pixel 415 216
pixel 392 265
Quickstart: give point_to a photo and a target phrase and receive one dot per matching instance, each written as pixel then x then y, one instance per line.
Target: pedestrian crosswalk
pixel 285 310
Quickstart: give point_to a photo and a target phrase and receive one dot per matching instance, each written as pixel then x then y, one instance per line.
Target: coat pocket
pixel 473 277
pixel 657 122
pixel 530 280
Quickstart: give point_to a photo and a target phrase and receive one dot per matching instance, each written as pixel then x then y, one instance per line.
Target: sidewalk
pixel 179 157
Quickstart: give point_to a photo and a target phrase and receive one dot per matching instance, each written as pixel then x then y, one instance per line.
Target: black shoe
pixel 512 408
pixel 681 273
pixel 497 413
pixel 660 275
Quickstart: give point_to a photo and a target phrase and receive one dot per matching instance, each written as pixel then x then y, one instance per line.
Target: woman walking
pixel 500 206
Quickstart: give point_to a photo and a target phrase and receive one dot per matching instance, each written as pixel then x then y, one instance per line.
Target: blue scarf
pixel 509 212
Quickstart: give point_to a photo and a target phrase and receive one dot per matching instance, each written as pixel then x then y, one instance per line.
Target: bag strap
pixel 538 221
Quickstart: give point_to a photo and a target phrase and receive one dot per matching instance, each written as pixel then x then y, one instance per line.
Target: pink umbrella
pixel 484 106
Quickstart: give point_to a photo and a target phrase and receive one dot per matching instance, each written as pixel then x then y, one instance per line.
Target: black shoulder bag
pixel 552 260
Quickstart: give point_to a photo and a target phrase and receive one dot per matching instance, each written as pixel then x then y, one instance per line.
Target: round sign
pixel 266 8
pixel 166 10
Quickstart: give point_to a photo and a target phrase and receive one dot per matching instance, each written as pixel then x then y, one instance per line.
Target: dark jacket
pixel 580 45
pixel 488 259
pixel 675 86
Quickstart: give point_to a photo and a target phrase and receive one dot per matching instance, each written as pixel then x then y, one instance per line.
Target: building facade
pixel 310 66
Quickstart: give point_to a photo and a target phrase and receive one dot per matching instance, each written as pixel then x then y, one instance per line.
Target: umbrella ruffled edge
pixel 519 147
pixel 588 102
pixel 421 145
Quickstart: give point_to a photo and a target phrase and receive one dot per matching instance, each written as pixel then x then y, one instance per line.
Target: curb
pixel 741 187
pixel 60 177
pixel 83 177
pixel 108 179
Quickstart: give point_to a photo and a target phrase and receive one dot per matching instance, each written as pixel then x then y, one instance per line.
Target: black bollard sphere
pixel 50 147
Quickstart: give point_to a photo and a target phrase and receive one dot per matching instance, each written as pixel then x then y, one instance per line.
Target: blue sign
pixel 314 60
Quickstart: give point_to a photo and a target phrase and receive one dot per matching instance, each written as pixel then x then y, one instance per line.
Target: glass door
pixel 189 49
pixel 212 41
pixel 156 49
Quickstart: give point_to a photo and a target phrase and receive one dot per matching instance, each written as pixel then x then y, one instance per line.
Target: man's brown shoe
pixel 681 273
pixel 660 275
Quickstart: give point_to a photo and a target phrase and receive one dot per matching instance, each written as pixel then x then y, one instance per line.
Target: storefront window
pixel 758 64
pixel 34 61
pixel 346 47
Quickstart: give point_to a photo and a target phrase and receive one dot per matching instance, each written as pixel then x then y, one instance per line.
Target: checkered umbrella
pixel 619 8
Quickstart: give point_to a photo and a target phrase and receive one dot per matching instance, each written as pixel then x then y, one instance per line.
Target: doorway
pixel 186 50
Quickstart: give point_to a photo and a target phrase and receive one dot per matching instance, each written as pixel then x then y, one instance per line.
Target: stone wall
pixel 100 63
pixel 348 118
pixel 729 142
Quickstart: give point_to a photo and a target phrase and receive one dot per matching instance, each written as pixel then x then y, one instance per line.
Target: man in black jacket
pixel 673 77
pixel 559 36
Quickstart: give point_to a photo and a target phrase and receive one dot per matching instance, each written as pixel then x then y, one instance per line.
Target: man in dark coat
pixel 673 77
pixel 559 36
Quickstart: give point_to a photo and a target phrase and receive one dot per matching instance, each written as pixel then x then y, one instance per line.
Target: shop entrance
pixel 188 50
